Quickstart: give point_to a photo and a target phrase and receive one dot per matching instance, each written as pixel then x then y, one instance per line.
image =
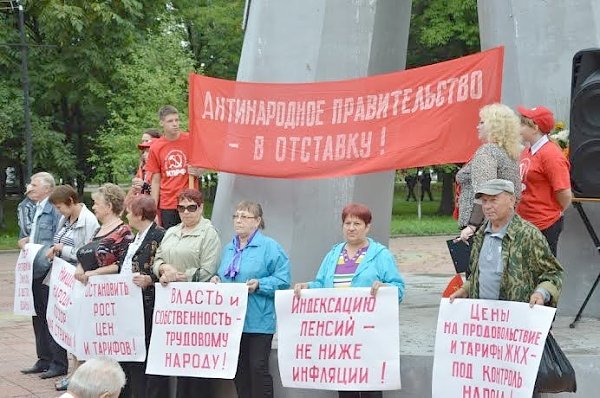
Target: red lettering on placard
pixel 193 360
pixel 338 375
pixel 105 329
pixel 303 351
pixel 340 351
pixel 208 297
pixel 482 313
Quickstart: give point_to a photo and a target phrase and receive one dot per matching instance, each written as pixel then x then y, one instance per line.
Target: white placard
pixel 111 319
pixel 488 348
pixel 23 303
pixel 62 312
pixel 197 328
pixel 339 339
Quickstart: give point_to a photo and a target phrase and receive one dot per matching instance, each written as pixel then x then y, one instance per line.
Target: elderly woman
pixel 75 228
pixel 188 252
pixel 545 175
pixel 109 244
pixel 497 157
pixel 359 261
pixel 259 262
pixel 138 262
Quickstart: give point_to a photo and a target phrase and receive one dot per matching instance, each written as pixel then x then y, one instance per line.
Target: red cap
pixel 541 116
pixel 144 145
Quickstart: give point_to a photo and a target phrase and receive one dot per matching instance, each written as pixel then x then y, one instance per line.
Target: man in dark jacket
pixel 52 358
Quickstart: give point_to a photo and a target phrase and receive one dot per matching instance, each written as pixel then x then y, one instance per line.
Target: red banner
pixel 412 118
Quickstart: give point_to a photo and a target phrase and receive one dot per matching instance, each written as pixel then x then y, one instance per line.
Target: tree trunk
pixel 447 202
pixel 2 194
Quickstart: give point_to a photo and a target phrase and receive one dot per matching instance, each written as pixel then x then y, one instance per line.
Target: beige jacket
pixel 196 250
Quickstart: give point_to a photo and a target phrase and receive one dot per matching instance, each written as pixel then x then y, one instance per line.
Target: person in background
pixel 97 378
pixel 52 359
pixel 149 135
pixel 497 157
pixel 411 183
pixel 25 212
pixel 359 261
pixel 140 184
pixel 261 263
pixel 425 181
pixel 138 262
pixel 75 228
pixel 168 162
pixel 189 252
pixel 103 254
pixel 545 175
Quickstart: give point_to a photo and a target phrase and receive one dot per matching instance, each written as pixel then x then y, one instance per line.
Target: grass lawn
pixel 404 217
pixel 405 220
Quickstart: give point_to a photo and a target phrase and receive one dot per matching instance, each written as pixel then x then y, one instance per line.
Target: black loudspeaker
pixel 584 136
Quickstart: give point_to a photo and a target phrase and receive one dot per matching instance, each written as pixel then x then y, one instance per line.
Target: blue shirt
pixel 378 265
pixel 262 259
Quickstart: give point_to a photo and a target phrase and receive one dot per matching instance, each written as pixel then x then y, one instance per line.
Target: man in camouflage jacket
pixel 510 258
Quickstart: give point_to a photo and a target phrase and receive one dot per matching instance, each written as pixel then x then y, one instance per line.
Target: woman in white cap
pixel 546 184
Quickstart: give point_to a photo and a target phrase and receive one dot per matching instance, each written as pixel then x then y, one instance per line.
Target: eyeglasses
pixel 241 217
pixel 189 208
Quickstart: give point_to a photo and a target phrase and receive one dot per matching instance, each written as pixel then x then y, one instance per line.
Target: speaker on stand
pixel 584 142
pixel 584 135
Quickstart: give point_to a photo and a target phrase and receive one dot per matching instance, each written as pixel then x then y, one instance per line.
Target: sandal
pixel 62 384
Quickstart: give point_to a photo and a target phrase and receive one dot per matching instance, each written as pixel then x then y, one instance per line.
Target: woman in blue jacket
pixel 259 262
pixel 359 261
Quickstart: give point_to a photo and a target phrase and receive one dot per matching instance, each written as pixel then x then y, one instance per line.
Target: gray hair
pixel 254 208
pixel 113 195
pixel 97 377
pixel 46 179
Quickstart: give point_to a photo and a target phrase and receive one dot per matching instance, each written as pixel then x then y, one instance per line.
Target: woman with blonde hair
pixel 498 157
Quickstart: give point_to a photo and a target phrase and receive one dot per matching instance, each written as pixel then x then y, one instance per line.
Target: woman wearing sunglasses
pixel 188 252
pixel 259 262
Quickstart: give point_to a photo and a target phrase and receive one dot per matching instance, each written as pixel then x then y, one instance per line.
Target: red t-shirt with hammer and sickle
pixel 170 159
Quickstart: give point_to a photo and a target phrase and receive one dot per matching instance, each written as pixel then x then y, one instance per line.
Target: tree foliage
pixel 146 81
pixel 441 30
pixel 214 33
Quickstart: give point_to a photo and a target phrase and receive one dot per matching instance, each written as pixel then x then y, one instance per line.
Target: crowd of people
pixel 510 210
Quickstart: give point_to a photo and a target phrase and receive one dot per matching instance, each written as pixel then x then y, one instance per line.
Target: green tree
pixel 214 34
pixel 154 74
pixel 72 82
pixel 441 30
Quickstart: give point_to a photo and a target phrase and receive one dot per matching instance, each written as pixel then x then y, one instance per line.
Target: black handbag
pixel 556 374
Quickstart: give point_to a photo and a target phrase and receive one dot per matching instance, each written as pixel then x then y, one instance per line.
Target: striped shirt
pixel 346 267
pixel 65 234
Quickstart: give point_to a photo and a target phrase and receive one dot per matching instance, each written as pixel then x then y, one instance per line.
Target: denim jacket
pixel 46 227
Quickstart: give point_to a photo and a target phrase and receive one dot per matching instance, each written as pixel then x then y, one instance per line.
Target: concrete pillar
pixel 311 41
pixel 540 39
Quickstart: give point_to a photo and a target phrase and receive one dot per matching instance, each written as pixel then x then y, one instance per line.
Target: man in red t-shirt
pixel 168 163
pixel 546 190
